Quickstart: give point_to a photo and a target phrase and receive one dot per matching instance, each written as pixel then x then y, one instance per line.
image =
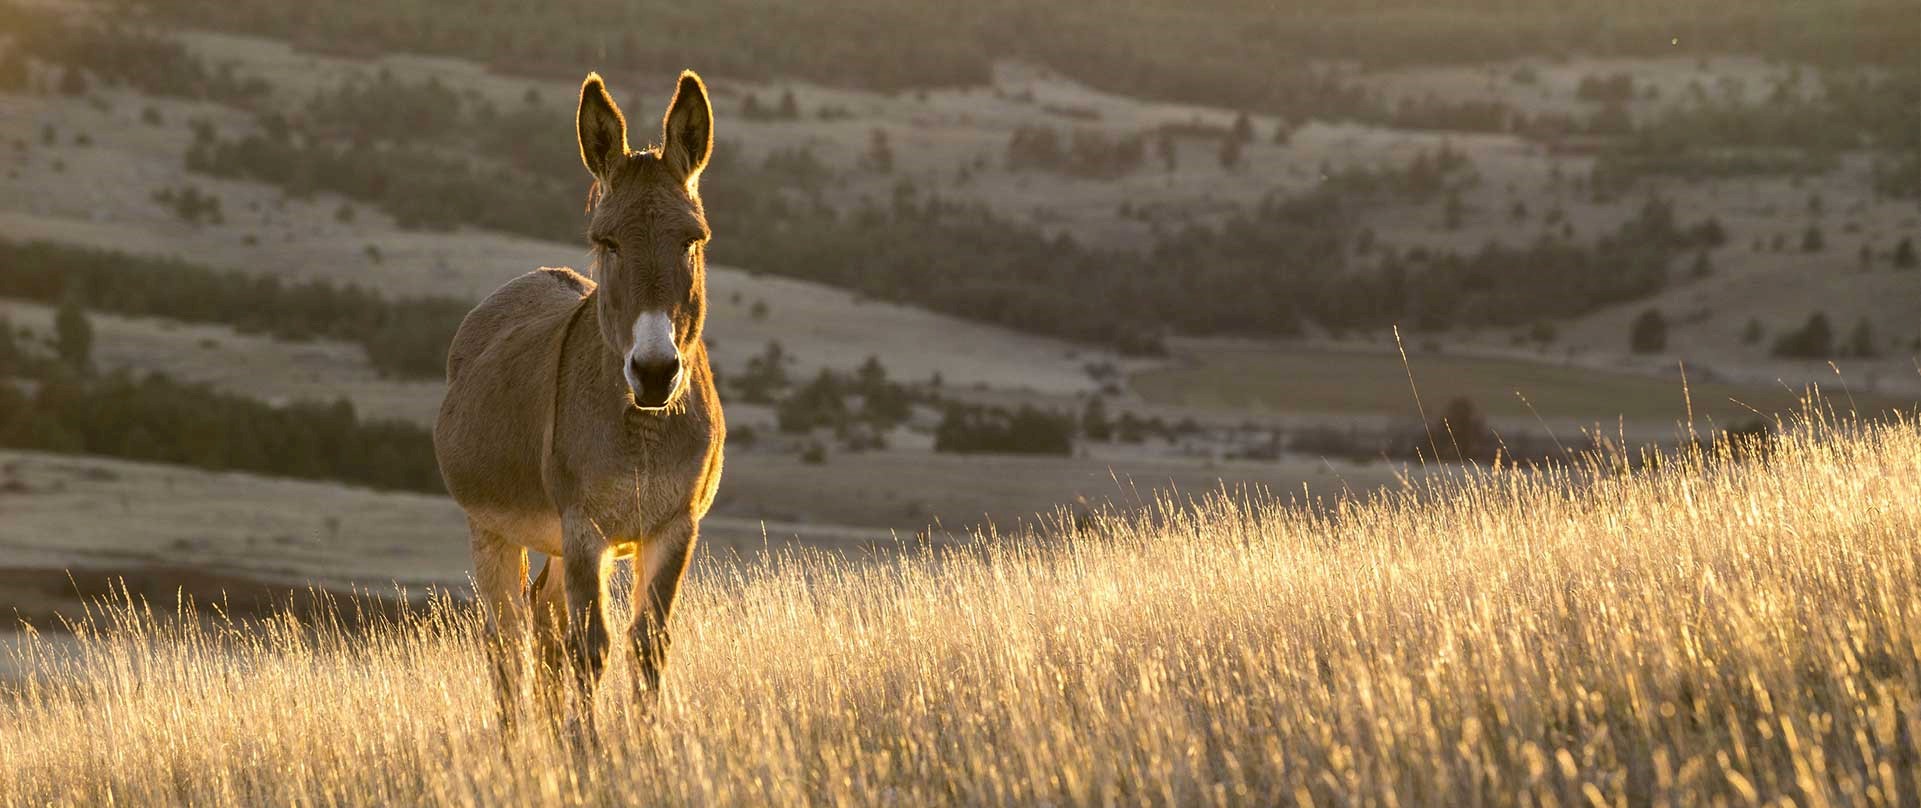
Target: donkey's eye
pixel 692 245
pixel 608 245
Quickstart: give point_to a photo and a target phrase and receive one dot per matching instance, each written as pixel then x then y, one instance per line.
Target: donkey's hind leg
pixel 549 598
pixel 500 582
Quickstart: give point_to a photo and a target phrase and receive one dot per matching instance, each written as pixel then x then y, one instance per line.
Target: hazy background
pixel 973 261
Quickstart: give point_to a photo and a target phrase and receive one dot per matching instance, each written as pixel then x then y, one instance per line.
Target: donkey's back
pixel 523 309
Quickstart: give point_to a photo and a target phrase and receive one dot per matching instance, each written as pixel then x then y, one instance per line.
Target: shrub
pixel 1904 255
pixel 1861 341
pixel 1094 423
pixel 1617 88
pixel 879 157
pixel 73 83
pixel 819 403
pixel 1702 266
pixel 157 419
pixel 970 429
pixel 1649 333
pixel 73 334
pixel 1230 154
pixel 1812 240
pixel 1461 432
pixel 1813 340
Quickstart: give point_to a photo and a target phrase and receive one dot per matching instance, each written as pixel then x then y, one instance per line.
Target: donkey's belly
pixel 490 455
pixel 533 530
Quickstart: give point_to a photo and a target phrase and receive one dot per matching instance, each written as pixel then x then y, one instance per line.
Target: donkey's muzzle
pixel 654 380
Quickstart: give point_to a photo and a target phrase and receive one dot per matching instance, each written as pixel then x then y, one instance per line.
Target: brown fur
pixel 540 437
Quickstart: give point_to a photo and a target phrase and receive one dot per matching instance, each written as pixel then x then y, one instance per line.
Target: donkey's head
pixel 648 234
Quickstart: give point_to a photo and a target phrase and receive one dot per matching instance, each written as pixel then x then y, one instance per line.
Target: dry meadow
pixel 1741 629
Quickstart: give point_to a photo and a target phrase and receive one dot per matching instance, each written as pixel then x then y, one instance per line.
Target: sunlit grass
pixel 1697 628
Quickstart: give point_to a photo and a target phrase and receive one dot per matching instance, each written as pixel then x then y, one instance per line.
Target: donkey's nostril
pixel 654 380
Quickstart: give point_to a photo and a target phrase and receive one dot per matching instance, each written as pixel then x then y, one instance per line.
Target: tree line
pixel 64 406
pixel 859 407
pixel 1798 128
pixel 1514 285
pixel 404 337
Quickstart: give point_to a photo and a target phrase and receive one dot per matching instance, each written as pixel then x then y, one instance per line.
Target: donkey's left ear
pixel 687 132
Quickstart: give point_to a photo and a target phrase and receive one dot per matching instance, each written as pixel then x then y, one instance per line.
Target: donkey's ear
pixel 687 132
pixel 603 132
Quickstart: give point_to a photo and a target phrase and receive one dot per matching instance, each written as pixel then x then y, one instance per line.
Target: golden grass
pixel 1743 631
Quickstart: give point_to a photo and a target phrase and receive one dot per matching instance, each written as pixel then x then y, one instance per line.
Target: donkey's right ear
pixel 603 132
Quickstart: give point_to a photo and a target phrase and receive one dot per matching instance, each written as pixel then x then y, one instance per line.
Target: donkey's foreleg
pixel 657 575
pixel 585 561
pixel 500 578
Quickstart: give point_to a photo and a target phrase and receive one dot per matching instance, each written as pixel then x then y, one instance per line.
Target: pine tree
pixel 1812 240
pixel 1861 341
pixel 73 82
pixel 1230 153
pixel 1243 128
pixel 73 334
pixel 1649 333
pixel 1094 423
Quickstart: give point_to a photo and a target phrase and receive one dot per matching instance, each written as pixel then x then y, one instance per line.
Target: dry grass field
pixel 1708 630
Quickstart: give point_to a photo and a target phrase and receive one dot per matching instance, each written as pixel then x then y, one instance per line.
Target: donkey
pixel 581 418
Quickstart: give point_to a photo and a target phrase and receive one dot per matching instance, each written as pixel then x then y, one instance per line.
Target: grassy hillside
pixel 1709 629
pixel 1361 382
pixel 1230 52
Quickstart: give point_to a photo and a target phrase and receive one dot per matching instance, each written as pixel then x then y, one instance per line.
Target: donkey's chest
pixel 629 482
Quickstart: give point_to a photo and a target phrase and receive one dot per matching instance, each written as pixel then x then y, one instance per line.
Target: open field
pixel 907 490
pixel 1227 376
pixel 162 528
pixel 65 511
pixel 141 520
pixel 1680 636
